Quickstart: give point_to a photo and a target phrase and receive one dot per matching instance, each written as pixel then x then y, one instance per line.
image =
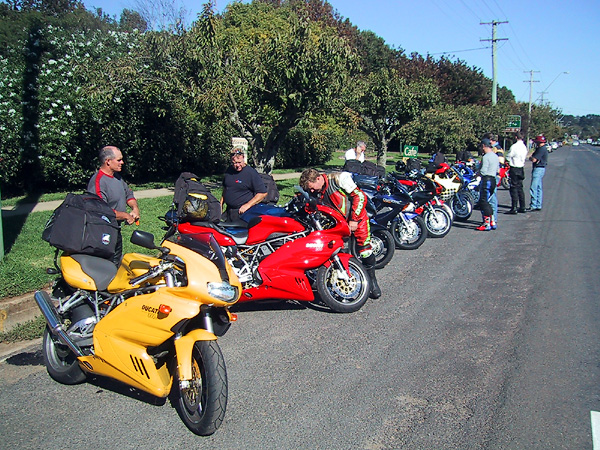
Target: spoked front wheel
pixel 438 221
pixel 201 402
pixel 343 292
pixel 409 235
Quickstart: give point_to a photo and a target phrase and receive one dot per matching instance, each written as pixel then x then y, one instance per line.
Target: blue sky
pixel 549 37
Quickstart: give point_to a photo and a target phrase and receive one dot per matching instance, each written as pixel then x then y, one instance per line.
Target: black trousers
pixel 487 188
pixel 517 196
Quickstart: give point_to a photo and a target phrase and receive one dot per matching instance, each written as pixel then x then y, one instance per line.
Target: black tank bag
pixel 83 223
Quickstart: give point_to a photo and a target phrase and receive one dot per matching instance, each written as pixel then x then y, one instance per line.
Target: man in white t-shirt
pixel 517 154
pixel 357 153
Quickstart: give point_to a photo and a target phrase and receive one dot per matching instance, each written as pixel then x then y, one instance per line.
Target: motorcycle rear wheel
pixel 438 222
pixel 202 406
pixel 410 236
pixel 61 363
pixel 343 296
pixel 383 246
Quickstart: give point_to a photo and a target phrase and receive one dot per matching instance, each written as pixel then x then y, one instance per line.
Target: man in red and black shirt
pixel 339 191
pixel 108 184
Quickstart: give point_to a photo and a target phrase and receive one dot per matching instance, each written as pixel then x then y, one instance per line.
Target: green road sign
pixel 410 151
pixel 513 124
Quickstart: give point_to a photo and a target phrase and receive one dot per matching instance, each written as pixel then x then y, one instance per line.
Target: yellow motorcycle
pixel 151 323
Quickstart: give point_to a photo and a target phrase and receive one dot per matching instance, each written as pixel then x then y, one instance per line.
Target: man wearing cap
pixel 540 161
pixel 487 186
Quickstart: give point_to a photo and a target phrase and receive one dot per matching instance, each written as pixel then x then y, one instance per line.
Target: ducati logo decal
pixel 315 245
pixel 152 312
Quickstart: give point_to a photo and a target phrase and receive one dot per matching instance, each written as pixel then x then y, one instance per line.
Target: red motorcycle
pixel 286 253
pixel 504 176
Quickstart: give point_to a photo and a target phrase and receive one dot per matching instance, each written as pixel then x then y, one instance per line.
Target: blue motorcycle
pixel 392 207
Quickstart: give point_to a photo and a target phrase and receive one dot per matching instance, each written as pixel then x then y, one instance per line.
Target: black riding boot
pixel 369 264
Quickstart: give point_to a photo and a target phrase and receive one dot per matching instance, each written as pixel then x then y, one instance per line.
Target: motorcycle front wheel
pixel 505 182
pixel 411 235
pixel 462 205
pixel 61 363
pixel 438 222
pixel 383 246
pixel 202 404
pixel 340 294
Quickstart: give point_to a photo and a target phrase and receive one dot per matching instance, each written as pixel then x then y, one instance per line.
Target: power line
pixel 460 51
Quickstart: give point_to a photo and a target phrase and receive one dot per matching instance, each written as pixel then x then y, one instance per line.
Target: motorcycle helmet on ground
pixel 540 139
pixel 195 207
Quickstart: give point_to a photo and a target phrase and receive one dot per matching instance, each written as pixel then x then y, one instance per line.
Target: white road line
pixel 595 430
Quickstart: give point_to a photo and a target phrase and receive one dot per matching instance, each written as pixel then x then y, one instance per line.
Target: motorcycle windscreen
pixel 206 245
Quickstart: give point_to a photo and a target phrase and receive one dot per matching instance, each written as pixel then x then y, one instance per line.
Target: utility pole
pixel 542 96
pixel 531 81
pixel 494 39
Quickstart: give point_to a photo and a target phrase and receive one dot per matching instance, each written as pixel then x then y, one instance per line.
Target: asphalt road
pixel 481 340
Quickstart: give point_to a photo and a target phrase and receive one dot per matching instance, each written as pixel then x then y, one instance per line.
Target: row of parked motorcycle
pixel 153 322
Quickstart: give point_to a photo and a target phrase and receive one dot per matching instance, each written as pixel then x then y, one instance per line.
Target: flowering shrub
pixel 46 107
pixel 11 117
pixel 66 93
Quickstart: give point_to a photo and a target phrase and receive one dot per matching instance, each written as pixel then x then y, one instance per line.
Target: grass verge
pixel 25 331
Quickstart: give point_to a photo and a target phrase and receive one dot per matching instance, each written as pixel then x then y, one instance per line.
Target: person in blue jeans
pixel 540 161
pixel 493 200
pixel 487 186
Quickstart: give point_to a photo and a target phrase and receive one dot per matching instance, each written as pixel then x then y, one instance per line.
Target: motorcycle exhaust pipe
pixel 47 308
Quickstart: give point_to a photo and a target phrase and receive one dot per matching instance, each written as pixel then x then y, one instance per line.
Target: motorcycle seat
pixel 237 231
pixel 101 270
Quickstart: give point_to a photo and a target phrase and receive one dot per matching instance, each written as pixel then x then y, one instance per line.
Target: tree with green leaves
pixel 266 69
pixel 382 102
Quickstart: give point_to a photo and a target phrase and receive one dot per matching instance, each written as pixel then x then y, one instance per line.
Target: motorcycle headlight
pixel 223 291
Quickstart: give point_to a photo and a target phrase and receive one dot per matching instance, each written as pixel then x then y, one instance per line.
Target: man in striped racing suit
pixel 340 192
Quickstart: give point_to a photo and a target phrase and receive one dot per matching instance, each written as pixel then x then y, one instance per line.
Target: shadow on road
pixel 26 359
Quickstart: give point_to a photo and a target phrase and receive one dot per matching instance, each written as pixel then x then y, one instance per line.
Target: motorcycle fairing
pixel 284 272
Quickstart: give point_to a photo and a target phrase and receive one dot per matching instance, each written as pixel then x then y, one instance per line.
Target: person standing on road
pixel 540 161
pixel 357 153
pixel 108 184
pixel 242 187
pixel 487 186
pixel 498 150
pixel 517 154
pixel 340 192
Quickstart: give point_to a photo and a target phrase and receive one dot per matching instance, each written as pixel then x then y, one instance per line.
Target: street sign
pixel 410 151
pixel 239 142
pixel 513 124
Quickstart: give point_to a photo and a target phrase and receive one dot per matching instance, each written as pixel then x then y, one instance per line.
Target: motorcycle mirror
pixel 146 240
pixel 302 191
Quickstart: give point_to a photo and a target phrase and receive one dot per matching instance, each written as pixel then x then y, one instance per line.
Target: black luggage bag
pixel 83 223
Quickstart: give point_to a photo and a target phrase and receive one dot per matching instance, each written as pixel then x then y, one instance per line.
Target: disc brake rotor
pixel 342 287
